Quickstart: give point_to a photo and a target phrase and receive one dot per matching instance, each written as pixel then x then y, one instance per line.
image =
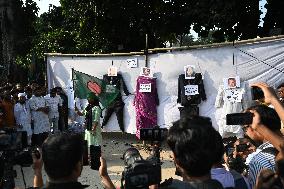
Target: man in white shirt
pixel 22 115
pixel 53 101
pixel 39 110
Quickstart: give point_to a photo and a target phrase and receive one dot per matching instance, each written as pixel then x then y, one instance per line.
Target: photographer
pixel 267 178
pixel 62 156
pixel 193 142
pixel 266 123
pixel 265 153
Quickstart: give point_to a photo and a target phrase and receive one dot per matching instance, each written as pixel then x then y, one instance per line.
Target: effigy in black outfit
pixel 190 94
pixel 118 105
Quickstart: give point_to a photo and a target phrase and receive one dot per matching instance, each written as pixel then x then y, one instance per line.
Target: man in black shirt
pixel 63 110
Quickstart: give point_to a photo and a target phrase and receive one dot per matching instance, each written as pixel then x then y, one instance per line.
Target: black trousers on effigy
pixel 118 109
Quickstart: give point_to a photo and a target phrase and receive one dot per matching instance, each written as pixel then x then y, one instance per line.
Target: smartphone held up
pixel 239 118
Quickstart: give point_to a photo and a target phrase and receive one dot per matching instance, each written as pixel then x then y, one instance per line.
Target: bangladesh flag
pixel 84 84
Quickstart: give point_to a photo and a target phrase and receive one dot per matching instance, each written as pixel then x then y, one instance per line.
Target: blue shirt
pixel 260 161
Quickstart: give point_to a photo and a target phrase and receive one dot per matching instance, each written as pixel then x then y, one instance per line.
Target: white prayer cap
pixel 21 94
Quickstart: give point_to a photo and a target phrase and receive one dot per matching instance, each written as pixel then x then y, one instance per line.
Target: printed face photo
pixel 112 71
pixel 146 72
pixel 232 82
pixel 189 72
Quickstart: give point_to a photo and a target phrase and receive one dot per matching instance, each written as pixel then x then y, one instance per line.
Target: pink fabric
pixel 145 104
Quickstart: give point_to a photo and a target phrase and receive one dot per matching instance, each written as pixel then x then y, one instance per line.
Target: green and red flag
pixel 84 84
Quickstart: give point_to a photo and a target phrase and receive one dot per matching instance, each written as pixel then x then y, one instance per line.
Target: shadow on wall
pixel 65 75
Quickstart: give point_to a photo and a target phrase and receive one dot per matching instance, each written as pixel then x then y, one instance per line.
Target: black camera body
pixel 13 151
pixel 239 118
pixel 140 173
pixel 153 134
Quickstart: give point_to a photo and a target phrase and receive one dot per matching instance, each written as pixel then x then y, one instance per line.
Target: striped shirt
pixel 260 161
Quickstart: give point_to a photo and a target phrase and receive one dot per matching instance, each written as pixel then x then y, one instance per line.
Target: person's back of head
pixel 268 116
pixel 219 149
pixel 61 153
pixel 193 142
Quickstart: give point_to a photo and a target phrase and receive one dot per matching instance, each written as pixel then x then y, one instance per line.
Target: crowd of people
pixel 29 108
pixel 202 157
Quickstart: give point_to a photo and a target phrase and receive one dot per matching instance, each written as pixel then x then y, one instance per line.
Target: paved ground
pixel 114 145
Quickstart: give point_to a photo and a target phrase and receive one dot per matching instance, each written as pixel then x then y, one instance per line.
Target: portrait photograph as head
pixel 232 82
pixel 189 72
pixel 112 71
pixel 146 72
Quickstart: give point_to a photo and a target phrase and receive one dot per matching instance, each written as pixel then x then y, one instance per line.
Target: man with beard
pixel 23 116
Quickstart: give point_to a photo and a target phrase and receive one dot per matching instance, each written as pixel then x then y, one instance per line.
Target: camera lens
pixel 131 155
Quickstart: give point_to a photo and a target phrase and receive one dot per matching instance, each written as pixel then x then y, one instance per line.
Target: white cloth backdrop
pixel 214 63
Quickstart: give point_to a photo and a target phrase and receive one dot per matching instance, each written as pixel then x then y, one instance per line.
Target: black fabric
pixel 240 182
pixel 63 113
pixel 89 117
pixel 68 185
pixel 118 105
pixel 118 109
pixel 117 81
pixel 38 139
pixel 190 99
pixel 192 110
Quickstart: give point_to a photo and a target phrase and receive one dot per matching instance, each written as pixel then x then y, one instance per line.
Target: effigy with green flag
pixel 84 84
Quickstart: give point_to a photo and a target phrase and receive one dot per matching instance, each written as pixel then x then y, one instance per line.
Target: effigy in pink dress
pixel 145 102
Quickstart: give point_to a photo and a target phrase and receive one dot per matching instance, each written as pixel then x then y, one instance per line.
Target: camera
pixel 153 134
pixel 139 173
pixel 257 93
pixel 13 151
pixel 239 118
pixel 242 147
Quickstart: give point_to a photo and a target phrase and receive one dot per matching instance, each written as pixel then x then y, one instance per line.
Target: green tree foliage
pixel 21 27
pixel 274 18
pixel 89 26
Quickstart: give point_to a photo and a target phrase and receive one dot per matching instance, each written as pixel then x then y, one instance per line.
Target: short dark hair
pixel 219 149
pixel 281 85
pixel 53 90
pixel 60 154
pixel 193 142
pixel 268 116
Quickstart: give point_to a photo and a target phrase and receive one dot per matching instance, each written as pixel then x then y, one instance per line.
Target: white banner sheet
pixel 265 64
